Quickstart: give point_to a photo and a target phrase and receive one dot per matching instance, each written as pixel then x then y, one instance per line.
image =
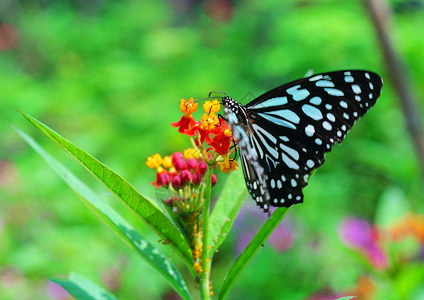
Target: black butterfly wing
pixel 254 173
pixel 292 126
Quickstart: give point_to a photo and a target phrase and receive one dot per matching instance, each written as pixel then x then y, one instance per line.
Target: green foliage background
pixel 109 77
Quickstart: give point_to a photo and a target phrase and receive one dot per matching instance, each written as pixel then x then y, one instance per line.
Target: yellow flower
pixel 167 162
pixel 212 107
pixel 209 121
pixel 191 153
pixel 154 161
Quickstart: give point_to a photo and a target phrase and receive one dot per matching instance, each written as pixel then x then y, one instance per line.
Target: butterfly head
pixel 230 104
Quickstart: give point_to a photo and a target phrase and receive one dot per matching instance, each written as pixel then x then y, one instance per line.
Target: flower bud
pixel 169 202
pixel 197 179
pixel 186 177
pixel 202 167
pixel 214 180
pixel 192 164
pixel 180 164
pixel 164 179
pixel 176 182
pixel 177 156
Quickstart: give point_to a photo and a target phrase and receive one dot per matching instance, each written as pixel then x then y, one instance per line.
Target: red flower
pixel 221 144
pixel 186 121
pixel 198 131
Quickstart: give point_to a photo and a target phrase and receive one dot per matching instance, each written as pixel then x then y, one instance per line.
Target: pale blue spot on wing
pixel 298 94
pixel 290 151
pixel 285 114
pixel 312 112
pixel 334 92
pixel 289 163
pixel 356 89
pixel 324 83
pixel 315 78
pixel 277 121
pixel 277 101
pixel 261 133
pixel 349 78
pixel 315 100
pixel 258 147
pixel 260 130
pixel 310 130
pixel 331 117
pixel 327 126
pixel 284 138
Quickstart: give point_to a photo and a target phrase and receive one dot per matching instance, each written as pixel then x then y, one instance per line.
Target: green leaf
pixel 244 259
pixel 226 210
pixel 347 298
pixel 83 289
pixel 115 221
pixel 124 191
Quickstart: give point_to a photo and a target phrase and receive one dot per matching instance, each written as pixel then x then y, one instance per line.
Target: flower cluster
pixel 387 248
pixel 211 129
pixel 374 242
pixel 181 174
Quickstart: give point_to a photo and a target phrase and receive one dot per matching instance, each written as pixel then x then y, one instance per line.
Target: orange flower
pixel 227 165
pixel 188 107
pixel 186 121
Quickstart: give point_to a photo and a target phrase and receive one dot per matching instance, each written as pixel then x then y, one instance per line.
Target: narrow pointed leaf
pixel 114 221
pixel 83 289
pixel 244 259
pixel 226 210
pixel 125 192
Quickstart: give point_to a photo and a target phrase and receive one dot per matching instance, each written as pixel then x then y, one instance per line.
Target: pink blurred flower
pixel 355 233
pixel 55 291
pixel 361 235
pixel 282 238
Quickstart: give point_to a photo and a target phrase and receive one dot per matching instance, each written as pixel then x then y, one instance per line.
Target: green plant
pixel 183 221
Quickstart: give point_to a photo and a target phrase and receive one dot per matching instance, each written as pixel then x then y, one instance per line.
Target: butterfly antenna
pixel 200 99
pixel 210 93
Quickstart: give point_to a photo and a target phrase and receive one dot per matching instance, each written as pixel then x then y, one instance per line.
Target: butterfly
pixel 282 135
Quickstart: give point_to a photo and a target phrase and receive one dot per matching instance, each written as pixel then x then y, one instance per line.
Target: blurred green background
pixel 109 75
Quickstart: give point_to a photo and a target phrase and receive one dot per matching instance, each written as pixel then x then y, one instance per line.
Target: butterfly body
pixel 283 134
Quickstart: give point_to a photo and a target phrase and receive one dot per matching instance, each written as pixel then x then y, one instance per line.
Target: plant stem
pixel 206 263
